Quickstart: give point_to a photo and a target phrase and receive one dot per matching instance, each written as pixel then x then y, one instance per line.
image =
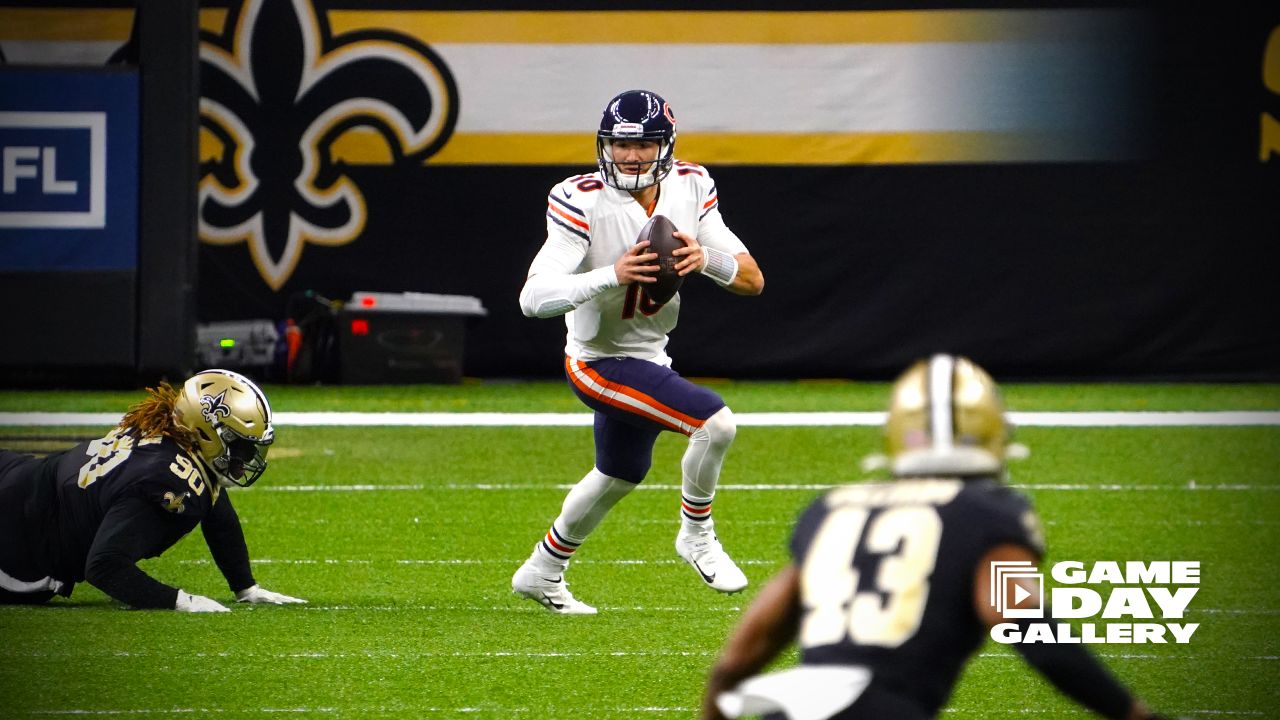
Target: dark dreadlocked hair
pixel 154 417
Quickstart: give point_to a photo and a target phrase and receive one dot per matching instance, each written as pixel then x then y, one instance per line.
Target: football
pixel 658 232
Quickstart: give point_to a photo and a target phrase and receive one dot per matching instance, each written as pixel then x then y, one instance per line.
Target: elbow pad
pixel 549 295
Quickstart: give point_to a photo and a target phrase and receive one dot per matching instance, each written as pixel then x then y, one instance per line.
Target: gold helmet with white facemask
pixel 946 418
pixel 231 420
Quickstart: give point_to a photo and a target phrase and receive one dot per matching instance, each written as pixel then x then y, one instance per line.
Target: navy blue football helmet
pixel 636 115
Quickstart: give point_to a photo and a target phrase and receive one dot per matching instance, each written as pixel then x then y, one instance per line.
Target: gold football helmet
pixel 232 423
pixel 946 417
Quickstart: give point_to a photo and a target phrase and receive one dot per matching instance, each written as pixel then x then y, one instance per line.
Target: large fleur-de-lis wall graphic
pixel 279 95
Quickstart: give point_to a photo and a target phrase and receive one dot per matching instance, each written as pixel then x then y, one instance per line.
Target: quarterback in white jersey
pixel 590 225
pixel 590 270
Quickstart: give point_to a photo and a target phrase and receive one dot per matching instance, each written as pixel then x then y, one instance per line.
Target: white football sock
pixel 701 469
pixel 584 507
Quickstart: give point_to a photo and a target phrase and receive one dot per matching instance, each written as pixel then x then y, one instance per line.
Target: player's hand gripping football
pixel 255 595
pixel 637 265
pixel 691 256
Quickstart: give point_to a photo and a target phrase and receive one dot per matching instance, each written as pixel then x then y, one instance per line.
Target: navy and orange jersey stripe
pixel 711 203
pixel 568 217
pixel 628 399
pixel 687 168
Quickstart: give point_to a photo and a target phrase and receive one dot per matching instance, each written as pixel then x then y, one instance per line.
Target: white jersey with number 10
pixel 590 225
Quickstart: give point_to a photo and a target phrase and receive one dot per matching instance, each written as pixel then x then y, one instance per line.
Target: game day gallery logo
pixel 1112 602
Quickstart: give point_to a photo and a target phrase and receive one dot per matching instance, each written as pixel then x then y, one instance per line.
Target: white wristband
pixel 720 266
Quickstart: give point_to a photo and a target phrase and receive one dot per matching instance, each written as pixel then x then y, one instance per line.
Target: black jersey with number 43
pixel 887 581
pixel 120 499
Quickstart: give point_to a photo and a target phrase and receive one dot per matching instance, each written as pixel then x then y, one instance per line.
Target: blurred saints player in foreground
pixel 92 512
pixel 887 594
pixel 590 270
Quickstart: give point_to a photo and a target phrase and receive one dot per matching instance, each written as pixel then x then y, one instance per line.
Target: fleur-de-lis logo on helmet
pixel 279 93
pixel 214 407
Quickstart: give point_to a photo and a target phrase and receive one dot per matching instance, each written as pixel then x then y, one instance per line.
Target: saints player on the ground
pixel 590 270
pixel 92 512
pixel 887 591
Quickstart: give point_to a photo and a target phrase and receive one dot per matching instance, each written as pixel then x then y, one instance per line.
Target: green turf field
pixel 403 540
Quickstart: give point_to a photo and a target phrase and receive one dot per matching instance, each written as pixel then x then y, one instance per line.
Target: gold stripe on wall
pixel 84 24
pixel 736 148
pixel 627 27
pixel 857 148
pixel 632 27
pixel 212 20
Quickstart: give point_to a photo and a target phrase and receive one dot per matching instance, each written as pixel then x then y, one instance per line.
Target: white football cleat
pixel 703 551
pixel 551 591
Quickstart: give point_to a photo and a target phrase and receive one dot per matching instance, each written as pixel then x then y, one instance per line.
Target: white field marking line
pixel 461 561
pixel 640 608
pixel 1234 611
pixel 361 709
pixel 187 711
pixel 542 710
pixel 745 419
pixel 1189 522
pixel 1029 711
pixel 519 606
pixel 590 561
pixel 799 487
pixel 370 654
pixel 1136 656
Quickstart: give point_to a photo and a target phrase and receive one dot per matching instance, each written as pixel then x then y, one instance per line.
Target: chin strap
pixel 632 183
pixel 210 474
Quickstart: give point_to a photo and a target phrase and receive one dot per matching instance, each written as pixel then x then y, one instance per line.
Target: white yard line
pixel 1027 711
pixel 504 711
pixel 458 561
pixel 1225 418
pixel 409 655
pixel 352 710
pixel 762 487
pixel 391 654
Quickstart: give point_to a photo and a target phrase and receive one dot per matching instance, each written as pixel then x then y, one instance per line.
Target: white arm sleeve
pixel 550 294
pixel 553 288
